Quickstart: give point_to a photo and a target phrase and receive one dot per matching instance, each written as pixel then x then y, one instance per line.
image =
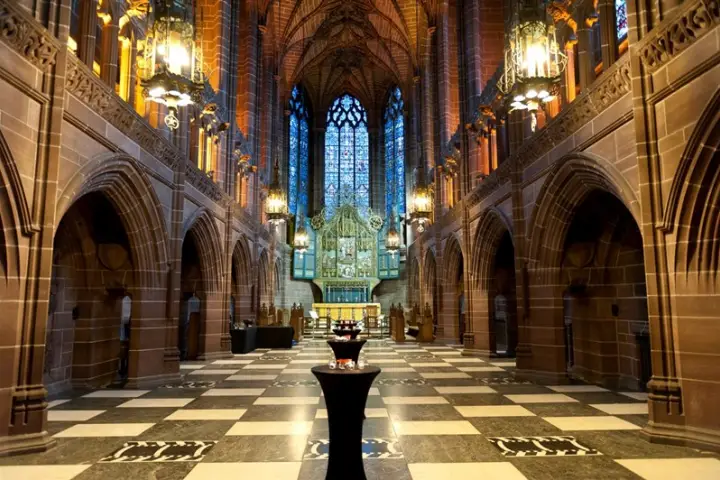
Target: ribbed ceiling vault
pixel 334 46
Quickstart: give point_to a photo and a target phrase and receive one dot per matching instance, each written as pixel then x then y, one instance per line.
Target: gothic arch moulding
pixel 123 182
pixel 694 198
pixel 570 180
pixel 453 258
pixel 201 225
pixel 490 230
pixel 15 216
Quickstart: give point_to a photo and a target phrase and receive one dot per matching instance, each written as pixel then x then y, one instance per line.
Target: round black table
pixel 341 332
pixel 344 349
pixel 346 392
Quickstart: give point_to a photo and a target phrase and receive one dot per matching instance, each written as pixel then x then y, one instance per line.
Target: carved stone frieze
pixel 27 37
pixel 692 21
pixel 90 90
pixel 204 184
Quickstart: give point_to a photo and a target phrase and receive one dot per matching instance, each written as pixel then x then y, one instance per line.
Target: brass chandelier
pixel 533 60
pixel 172 75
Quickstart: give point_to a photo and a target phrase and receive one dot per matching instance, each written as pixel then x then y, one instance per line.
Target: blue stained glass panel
pixel 347 171
pixel 304 165
pixel 621 20
pixel 293 165
pixel 394 153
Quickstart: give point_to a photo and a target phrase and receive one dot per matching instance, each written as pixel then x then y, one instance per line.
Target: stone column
pixel 585 53
pixel 88 24
pixel 609 46
pixel 110 53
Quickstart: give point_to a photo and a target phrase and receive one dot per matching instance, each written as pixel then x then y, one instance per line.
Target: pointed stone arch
pixel 570 181
pixel 201 225
pixel 122 181
pixel 693 206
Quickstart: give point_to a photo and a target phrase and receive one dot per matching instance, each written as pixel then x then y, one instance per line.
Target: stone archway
pixel 241 281
pixel 202 320
pixel 264 290
pixel 587 299
pixel 103 251
pixel 494 312
pixel 454 305
pixel 430 286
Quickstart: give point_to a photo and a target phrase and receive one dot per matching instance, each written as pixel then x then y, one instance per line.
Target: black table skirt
pixel 346 393
pixel 274 337
pixel 243 340
pixel 346 349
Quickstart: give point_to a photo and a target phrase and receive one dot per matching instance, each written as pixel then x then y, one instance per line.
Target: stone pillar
pixel 110 53
pixel 88 24
pixel 585 53
pixel 609 46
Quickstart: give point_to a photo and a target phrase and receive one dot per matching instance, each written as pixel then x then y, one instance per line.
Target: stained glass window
pixel 347 155
pixel 394 154
pixel 298 152
pixel 621 21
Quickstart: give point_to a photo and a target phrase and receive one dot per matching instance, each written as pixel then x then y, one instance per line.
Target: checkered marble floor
pixel 432 414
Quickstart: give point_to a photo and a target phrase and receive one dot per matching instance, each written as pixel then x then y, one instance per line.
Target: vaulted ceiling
pixel 359 46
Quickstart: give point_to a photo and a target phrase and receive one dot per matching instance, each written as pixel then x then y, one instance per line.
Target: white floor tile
pixel 494 411
pixel 642 396
pixel 453 427
pixel 446 353
pixel 287 401
pixel 397 369
pixel 541 398
pixel 104 430
pixel 465 360
pixel 414 350
pixel 296 371
pixel 591 423
pixel 464 390
pixel 272 366
pixel 503 364
pixel 191 367
pixel 481 369
pixel 251 377
pixel 577 388
pixel 265 470
pixel 248 355
pixel 72 415
pixel 415 401
pixel 387 360
pixel 445 375
pixel 622 408
pixel 210 371
pixel 116 394
pixel 55 403
pixel 438 347
pixel 156 403
pixel 465 471
pixel 673 468
pixel 232 362
pixel 270 428
pixel 430 365
pixel 310 361
pixel 209 414
pixel 372 353
pixel 234 392
pixel 41 472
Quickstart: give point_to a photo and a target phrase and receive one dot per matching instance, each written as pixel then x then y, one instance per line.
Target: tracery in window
pixel 298 153
pixel 347 159
pixel 394 154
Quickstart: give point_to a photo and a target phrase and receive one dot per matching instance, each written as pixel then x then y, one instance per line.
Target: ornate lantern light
pixel 533 60
pixel 276 205
pixel 422 200
pixel 301 242
pixel 171 74
pixel 392 237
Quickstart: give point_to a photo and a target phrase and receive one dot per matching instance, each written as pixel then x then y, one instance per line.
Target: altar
pixel 346 311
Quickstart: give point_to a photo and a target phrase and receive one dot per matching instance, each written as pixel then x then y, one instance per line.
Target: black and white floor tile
pixel 433 414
